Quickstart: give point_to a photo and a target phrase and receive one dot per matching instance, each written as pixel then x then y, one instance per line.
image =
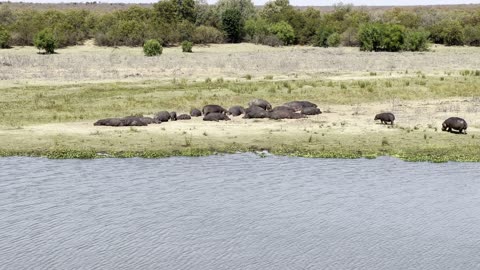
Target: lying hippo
pixel 311 111
pixel 195 112
pixel 162 116
pixel 213 109
pixel 236 111
pixel 184 117
pixel 300 105
pixel 385 117
pixel 262 103
pixel 283 108
pixel 455 123
pixel 284 114
pixel 255 112
pixel 173 116
pixel 121 122
pixel 215 117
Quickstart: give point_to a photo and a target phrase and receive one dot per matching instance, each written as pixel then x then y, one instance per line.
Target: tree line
pixel 277 23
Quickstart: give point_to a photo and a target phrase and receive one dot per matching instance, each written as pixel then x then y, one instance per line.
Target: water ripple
pixel 238 212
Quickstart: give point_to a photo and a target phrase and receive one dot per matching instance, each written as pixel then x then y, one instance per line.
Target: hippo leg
pixel 391 123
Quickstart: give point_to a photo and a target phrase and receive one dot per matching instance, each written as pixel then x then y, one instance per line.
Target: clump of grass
pixel 373 73
pixel 385 141
pixel 205 133
pixel 388 84
pixel 343 86
pixel 310 139
pixel 208 80
pixel 268 77
pixel 134 130
pixel 248 77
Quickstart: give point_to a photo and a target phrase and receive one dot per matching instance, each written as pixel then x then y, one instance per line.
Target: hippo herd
pixel 257 108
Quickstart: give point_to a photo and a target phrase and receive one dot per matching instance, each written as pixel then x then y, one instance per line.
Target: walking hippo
pixel 262 103
pixel 311 111
pixel 300 105
pixel 215 117
pixel 385 117
pixel 195 112
pixel 213 109
pixel 184 117
pixel 255 112
pixel 455 123
pixel 173 116
pixel 162 116
pixel 236 111
pixel 284 114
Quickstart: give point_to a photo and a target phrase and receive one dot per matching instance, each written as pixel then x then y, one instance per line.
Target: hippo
pixel 311 111
pixel 133 121
pixel 300 105
pixel 283 108
pixel 147 120
pixel 195 112
pixel 173 116
pixel 184 117
pixel 214 116
pixel 255 112
pixel 260 103
pixel 385 117
pixel 213 109
pixel 236 111
pixel 113 122
pixel 284 114
pixel 162 116
pixel 455 123
pixel 121 122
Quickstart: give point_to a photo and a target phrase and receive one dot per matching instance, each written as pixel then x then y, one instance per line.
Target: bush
pixel 453 34
pixel 187 46
pixel 152 48
pixel 45 40
pixel 370 37
pixel 383 37
pixel 333 40
pixel 283 31
pixel 4 38
pixel 271 40
pixel 207 34
pixel 472 35
pixel 416 41
pixel 321 37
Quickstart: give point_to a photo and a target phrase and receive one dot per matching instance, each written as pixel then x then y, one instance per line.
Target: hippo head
pixel 377 117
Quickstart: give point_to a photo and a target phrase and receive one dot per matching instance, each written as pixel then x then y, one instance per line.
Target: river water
pixel 238 212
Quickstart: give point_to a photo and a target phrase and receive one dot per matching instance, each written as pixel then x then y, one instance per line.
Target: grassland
pixel 53 116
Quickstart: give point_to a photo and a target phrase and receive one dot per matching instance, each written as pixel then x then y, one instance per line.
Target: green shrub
pixel 187 46
pixel 393 37
pixel 370 37
pixel 207 34
pixel 321 37
pixel 4 38
pixel 416 41
pixel 232 23
pixel 472 35
pixel 453 34
pixel 283 31
pixel 45 40
pixel 152 48
pixel 333 40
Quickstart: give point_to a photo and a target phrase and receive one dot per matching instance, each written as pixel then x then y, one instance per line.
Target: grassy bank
pixel 56 121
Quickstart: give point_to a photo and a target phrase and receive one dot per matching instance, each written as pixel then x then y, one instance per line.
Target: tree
pixel 233 25
pixel 283 31
pixel 453 34
pixel 393 37
pixel 4 38
pixel 245 7
pixel 370 37
pixel 416 40
pixel 45 40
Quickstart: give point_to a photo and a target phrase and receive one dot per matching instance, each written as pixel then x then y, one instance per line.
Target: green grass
pixel 29 105
pixel 68 103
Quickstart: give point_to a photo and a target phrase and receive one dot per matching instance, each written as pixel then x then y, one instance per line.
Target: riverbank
pixel 45 112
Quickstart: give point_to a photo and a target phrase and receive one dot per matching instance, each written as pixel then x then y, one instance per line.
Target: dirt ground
pixel 89 63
